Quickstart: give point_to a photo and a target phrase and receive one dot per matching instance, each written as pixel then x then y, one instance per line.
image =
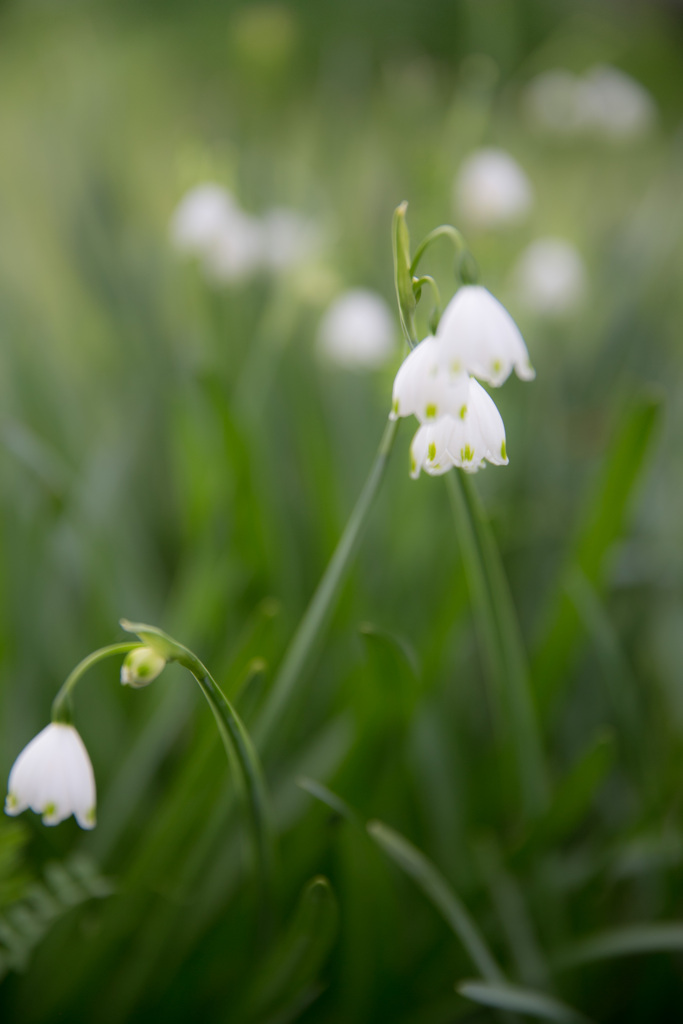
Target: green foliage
pixel 495 674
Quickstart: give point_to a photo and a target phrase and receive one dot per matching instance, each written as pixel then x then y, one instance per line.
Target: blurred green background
pixel 179 452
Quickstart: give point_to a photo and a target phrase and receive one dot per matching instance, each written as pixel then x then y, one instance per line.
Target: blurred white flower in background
pixel 54 777
pixel 604 102
pixel 491 189
pixel 357 330
pixel 615 105
pixel 233 245
pixel 550 277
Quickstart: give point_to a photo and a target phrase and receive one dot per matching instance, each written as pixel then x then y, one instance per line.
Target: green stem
pixel 61 705
pixel 236 740
pixel 444 230
pixel 322 603
pixel 418 282
pixel 500 641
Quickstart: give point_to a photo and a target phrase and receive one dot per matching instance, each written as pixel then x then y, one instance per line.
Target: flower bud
pixel 141 666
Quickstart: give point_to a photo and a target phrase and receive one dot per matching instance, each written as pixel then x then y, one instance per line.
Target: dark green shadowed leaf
pixel 438 891
pixel 603 524
pixel 293 966
pixel 520 1000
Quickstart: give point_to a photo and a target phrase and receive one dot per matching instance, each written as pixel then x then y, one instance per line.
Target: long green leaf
pixel 627 941
pixel 438 891
pixel 520 1000
pixel 603 524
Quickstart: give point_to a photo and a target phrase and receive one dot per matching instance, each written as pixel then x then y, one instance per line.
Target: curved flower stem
pixel 446 230
pixel 322 603
pixel 500 641
pixel 61 705
pixel 236 740
pixel 418 282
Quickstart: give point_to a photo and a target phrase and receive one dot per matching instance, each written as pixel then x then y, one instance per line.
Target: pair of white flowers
pixel 53 774
pixel 460 424
pixel 233 245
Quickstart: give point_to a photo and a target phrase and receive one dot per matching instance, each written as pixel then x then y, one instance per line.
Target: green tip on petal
pixel 466 454
pixel 430 411
pixel 463 412
pixel 431 452
pixel 503 451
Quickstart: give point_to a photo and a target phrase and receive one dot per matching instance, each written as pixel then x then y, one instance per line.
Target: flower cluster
pixel 459 422
pixel 233 245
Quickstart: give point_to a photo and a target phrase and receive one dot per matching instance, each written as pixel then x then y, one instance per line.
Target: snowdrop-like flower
pixel 550 277
pixel 236 251
pixel 426 387
pixel 491 189
pixel 357 330
pixel 477 335
pixel 604 101
pixel 141 666
pixel 465 441
pixel 54 777
pixel 200 217
pixel 614 104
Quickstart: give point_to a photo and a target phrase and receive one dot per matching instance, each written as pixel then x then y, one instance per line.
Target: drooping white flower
pixel 426 387
pixel 550 277
pixel 603 102
pixel 54 777
pixel 237 248
pixel 614 104
pixel 357 330
pixel 141 667
pixel 491 189
pixel 465 441
pixel 477 335
pixel 199 218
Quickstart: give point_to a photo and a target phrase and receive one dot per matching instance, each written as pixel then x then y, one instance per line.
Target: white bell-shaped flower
pixel 491 189
pixel 289 239
pixel 550 277
pixel 199 218
pixel 429 448
pixel 465 441
pixel 357 330
pixel 236 251
pixel 477 335
pixel 426 387
pixel 54 777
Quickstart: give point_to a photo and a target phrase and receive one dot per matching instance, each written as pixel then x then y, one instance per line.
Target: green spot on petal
pixel 11 801
pixel 496 366
pixel 413 465
pixel 49 810
pixel 503 451
pixel 431 452
pixel 463 412
pixel 466 453
pixel 430 411
pixel 394 407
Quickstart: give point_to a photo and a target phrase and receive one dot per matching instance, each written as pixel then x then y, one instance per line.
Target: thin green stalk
pixel 298 654
pixel 61 705
pixel 237 742
pixel 446 230
pixel 500 635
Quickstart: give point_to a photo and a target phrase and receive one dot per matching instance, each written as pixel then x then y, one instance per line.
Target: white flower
pixel 465 441
pixel 237 248
pixel 141 666
pixel 199 218
pixel 288 238
pixel 54 777
pixel 426 387
pixel 604 102
pixel 615 105
pixel 492 190
pixel 550 277
pixel 477 335
pixel 357 329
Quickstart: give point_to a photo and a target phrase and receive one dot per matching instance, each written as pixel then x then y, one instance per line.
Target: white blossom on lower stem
pixel 477 335
pixel 425 387
pixel 54 777
pixel 465 441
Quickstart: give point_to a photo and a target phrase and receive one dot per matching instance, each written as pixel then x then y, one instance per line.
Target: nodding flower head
pixel 54 777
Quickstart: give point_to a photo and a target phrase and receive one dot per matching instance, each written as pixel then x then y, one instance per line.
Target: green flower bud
pixel 141 666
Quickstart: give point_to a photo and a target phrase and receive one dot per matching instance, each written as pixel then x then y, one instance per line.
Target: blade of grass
pixel 520 1000
pixel 627 941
